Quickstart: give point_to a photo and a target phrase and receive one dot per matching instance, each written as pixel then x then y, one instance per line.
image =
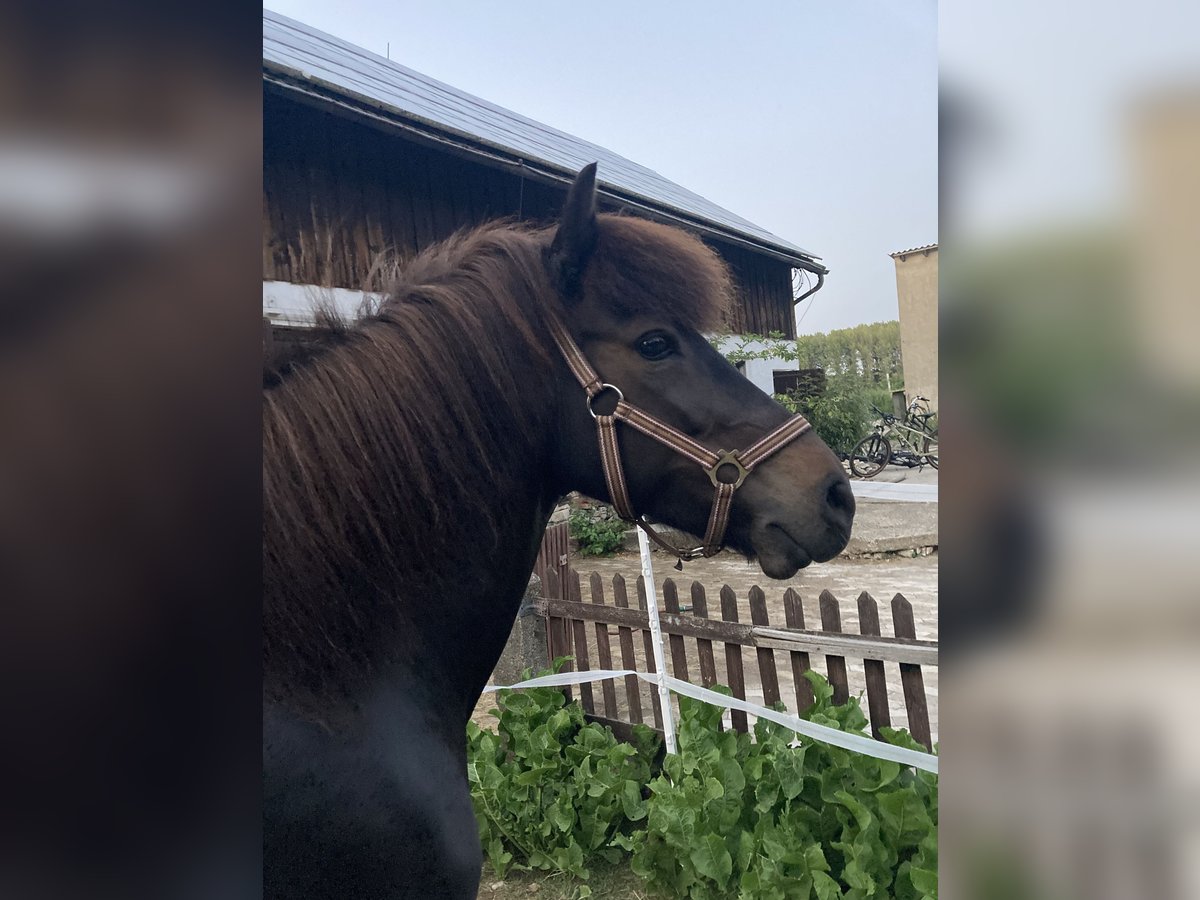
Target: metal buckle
pixel 603 387
pixel 728 457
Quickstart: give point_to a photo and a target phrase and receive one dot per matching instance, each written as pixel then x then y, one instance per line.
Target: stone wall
pixel 526 647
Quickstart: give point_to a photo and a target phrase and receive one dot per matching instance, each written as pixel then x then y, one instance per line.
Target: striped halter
pixel 725 469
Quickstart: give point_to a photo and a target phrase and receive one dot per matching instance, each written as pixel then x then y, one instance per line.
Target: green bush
pixel 597 534
pixel 842 414
pixel 768 817
pixel 857 363
pixel 551 792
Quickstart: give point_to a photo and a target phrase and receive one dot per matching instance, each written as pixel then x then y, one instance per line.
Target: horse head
pixel 635 299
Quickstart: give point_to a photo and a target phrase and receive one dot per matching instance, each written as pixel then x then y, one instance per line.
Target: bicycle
pixel 914 434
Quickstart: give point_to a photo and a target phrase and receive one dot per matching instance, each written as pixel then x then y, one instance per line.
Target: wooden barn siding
pixel 337 194
pixel 764 293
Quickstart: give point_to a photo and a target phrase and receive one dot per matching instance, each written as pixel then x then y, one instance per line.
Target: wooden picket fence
pixel 698 641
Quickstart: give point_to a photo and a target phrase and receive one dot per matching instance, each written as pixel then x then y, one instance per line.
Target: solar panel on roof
pixel 292 47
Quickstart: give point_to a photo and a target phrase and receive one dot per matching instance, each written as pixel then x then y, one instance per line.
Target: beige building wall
pixel 917 293
pixel 1166 198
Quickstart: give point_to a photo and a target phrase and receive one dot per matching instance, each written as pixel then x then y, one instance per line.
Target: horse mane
pixel 394 433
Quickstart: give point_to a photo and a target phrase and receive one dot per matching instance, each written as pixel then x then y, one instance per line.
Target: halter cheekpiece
pixel 727 470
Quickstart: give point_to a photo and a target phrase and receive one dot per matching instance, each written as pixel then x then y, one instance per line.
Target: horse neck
pixel 420 587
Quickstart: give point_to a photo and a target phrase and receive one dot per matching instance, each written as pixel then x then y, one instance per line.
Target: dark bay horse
pixel 410 464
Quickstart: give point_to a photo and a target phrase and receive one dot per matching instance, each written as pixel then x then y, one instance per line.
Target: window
pixel 805 382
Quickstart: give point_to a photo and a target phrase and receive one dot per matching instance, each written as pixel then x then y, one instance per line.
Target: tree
pixel 871 351
pixel 856 362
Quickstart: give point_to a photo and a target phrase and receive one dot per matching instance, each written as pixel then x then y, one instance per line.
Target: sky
pixel 816 121
pixel 1050 136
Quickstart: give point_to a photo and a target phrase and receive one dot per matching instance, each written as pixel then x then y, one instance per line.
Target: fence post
pixel 793 614
pixel 633 686
pixel 579 633
pixel 558 638
pixel 704 647
pixel 554 556
pixel 835 666
pixel 679 665
pixel 603 648
pixel 877 697
pixel 766 657
pixel 733 660
pixel 910 676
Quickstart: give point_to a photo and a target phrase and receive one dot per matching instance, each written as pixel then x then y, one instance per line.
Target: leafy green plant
pixel 551 792
pixel 781 818
pixel 858 364
pixel 842 414
pixel 768 816
pixel 598 534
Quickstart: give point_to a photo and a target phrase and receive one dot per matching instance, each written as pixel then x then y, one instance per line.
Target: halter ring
pixel 603 387
pixel 728 458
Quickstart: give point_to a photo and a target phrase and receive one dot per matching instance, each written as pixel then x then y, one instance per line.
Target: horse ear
pixel 577 230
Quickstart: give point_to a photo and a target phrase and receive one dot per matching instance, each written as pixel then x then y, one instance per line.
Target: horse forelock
pixel 642 267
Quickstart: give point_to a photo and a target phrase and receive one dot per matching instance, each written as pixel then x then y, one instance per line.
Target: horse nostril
pixel 840 497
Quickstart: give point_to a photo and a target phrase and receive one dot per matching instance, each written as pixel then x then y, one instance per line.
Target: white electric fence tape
pixel 854 742
pixel 660 663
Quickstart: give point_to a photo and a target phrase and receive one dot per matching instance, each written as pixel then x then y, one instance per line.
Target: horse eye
pixel 654 346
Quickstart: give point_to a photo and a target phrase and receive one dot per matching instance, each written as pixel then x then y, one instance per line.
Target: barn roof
pixel 303 58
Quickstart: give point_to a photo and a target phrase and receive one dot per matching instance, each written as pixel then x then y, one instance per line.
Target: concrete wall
pixel 526 647
pixel 917 293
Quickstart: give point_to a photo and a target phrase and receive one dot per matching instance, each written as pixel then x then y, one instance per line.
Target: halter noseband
pixel 726 470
